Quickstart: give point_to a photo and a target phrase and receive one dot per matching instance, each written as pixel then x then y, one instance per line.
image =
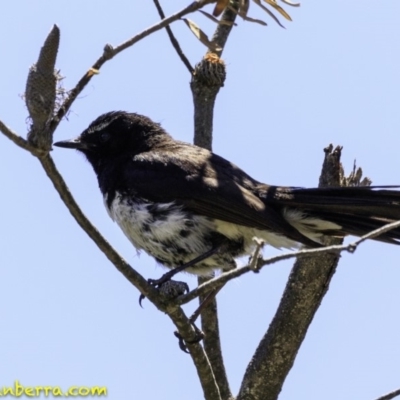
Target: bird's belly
pixel 168 233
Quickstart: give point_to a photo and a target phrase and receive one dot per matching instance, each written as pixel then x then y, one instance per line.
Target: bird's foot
pixel 172 289
pixel 167 288
pixel 198 336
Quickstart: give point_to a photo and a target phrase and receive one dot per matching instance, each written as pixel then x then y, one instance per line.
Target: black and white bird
pixel 179 202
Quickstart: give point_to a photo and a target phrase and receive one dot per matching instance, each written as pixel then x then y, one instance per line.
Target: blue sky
pixel 69 318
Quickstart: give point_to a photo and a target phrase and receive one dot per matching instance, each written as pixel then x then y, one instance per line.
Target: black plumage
pixel 177 201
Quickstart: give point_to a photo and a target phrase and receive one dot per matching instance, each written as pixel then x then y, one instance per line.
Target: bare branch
pixel 129 273
pixel 177 315
pixel 307 285
pixel 48 164
pixel 199 356
pixel 207 79
pixel 110 52
pixel 173 39
pixel 20 141
pixel 182 323
pixel 390 395
pixel 255 258
pixel 224 28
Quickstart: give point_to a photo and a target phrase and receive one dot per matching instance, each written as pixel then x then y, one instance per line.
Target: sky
pixel 69 318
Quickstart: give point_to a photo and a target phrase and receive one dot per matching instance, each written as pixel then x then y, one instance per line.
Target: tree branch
pixel 174 41
pixel 224 28
pixel 129 273
pixel 20 141
pixel 308 283
pixel 177 315
pixel 390 395
pixel 207 79
pixel 110 52
pixel 205 371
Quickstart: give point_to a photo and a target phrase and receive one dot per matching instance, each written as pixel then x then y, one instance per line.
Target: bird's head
pixel 116 134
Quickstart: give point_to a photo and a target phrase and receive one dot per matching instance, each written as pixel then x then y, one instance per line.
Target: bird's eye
pixel 104 137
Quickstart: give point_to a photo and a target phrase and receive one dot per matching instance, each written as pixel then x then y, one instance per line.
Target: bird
pixel 193 210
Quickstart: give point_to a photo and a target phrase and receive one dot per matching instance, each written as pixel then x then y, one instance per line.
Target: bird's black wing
pixel 223 193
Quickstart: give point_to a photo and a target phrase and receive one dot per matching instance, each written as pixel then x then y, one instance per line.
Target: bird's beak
pixel 74 144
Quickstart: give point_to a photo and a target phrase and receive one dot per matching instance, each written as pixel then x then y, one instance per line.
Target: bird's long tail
pixel 339 211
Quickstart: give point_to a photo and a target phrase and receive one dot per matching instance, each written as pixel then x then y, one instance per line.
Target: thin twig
pixel 129 273
pixel 207 301
pixel 110 52
pixel 390 395
pixel 20 141
pixel 235 273
pixel 48 164
pixel 255 258
pixel 173 39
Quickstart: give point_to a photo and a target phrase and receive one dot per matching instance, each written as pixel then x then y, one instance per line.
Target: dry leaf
pixel 289 3
pixel 258 2
pixel 201 35
pixel 219 7
pixel 217 21
pixel 246 18
pixel 244 7
pixel 279 9
pixel 257 21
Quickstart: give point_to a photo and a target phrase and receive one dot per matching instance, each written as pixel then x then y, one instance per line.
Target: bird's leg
pixel 167 276
pixel 158 283
pixel 164 284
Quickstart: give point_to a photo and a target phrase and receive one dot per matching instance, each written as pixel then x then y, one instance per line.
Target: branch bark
pixel 308 283
pixel 172 38
pixel 207 79
pixel 390 395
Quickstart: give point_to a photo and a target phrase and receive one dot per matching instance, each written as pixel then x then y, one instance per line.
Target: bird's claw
pixel 169 289
pixel 199 335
